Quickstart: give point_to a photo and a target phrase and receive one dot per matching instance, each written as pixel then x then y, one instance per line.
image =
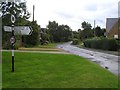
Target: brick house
pixel 113 27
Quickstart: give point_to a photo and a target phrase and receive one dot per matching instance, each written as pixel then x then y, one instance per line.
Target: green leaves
pixel 59 33
pixel 86 26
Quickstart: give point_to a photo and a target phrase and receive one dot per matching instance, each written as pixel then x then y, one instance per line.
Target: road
pixel 107 61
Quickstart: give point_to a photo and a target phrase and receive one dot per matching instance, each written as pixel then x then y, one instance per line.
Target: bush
pixel 75 42
pixel 87 43
pixel 101 43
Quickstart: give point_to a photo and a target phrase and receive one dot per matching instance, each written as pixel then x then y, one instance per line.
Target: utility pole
pixel 33 11
pixel 94 27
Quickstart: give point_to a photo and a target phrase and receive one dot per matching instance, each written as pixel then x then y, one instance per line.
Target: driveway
pixel 107 61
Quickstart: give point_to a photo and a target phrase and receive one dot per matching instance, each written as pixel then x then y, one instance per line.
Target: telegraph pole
pixel 33 12
pixel 94 27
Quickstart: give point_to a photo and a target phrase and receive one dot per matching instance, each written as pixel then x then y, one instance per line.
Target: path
pixel 52 52
pixel 107 61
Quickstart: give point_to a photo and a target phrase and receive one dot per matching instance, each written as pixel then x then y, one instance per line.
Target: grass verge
pixel 48 47
pixel 39 70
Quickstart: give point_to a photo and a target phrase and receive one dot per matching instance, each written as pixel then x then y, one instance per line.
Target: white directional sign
pixel 19 30
pixel 7 28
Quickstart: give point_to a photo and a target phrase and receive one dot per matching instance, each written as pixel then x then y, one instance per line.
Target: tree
pixel 84 34
pixel 75 34
pixel 65 33
pixel 86 26
pixel 59 33
pixel 17 9
pixel 32 39
pixel 52 27
pixel 87 32
pixel 99 32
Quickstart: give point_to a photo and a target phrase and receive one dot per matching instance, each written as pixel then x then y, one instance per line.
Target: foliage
pixel 86 25
pixel 59 33
pixel 42 70
pixel 75 34
pixel 85 34
pixel 44 38
pixel 99 32
pixel 17 9
pixel 101 43
pixel 32 39
pixel 75 42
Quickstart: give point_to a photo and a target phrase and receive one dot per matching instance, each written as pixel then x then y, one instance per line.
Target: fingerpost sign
pixel 16 30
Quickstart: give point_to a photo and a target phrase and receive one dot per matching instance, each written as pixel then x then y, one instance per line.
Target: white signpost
pixel 16 30
pixel 19 30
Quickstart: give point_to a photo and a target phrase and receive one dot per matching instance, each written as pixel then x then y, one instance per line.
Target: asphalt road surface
pixel 107 61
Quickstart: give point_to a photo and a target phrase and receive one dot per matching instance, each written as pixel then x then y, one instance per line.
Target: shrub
pixel 87 43
pixel 75 42
pixel 101 43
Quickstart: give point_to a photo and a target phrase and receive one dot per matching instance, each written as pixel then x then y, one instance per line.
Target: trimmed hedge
pixel 102 43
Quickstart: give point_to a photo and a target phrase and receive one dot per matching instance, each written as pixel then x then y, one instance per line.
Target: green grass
pixel 41 49
pixel 50 45
pixel 34 70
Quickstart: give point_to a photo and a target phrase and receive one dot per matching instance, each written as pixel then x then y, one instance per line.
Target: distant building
pixel 43 30
pixel 113 27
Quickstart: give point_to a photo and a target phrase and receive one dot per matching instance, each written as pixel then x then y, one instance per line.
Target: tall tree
pixel 99 32
pixel 86 25
pixel 18 9
pixel 52 28
pixel 59 33
pixel 87 32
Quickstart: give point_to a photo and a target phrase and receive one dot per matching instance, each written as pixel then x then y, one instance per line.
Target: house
pixel 113 27
pixel 41 32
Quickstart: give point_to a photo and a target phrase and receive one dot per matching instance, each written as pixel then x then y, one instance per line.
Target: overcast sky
pixel 73 12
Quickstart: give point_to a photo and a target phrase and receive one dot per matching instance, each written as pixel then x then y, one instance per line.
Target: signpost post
pixel 16 30
pixel 12 40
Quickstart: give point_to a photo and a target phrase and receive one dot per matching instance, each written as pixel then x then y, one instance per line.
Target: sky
pixel 73 12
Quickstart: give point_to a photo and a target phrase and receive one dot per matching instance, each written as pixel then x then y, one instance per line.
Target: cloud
pixel 91 7
pixel 73 12
pixel 64 15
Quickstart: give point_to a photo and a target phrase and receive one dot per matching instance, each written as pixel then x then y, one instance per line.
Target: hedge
pixel 75 42
pixel 102 43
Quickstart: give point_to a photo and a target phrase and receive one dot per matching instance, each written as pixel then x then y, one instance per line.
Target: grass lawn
pixel 39 70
